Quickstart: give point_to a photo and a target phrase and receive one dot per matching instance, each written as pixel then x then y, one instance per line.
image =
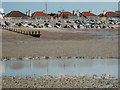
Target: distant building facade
pixel 60 15
pixel 118 12
pixel 15 15
pixel 1 13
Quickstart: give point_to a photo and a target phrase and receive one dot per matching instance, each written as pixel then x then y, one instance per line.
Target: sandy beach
pixel 59 45
pixel 55 42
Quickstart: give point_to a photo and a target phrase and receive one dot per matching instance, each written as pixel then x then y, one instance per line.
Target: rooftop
pixel 109 14
pixel 87 14
pixel 15 14
pixel 40 14
pixel 65 13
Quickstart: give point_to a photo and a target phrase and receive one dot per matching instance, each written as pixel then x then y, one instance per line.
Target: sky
pixel 60 0
pixel 95 7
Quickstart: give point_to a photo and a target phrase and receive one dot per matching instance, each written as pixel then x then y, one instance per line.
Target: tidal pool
pixel 61 67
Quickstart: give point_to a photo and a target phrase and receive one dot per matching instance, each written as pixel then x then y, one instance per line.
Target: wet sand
pixel 54 44
pixel 60 44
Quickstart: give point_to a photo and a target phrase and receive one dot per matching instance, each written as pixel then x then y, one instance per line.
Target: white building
pixel 2 13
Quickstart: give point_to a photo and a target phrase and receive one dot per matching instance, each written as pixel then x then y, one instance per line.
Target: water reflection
pixel 16 65
pixel 61 67
pixel 39 65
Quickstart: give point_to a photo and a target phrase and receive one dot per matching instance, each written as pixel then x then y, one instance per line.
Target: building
pixel 28 13
pixel 89 15
pixel 65 15
pixel 118 12
pixel 52 14
pixel 16 15
pixel 40 15
pixel 2 13
pixel 108 16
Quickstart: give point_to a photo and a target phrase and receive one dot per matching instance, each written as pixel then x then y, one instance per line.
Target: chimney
pixel 1 10
pixel 77 12
pixel 59 12
pixel 104 12
pixel 90 11
pixel 63 10
pixel 74 12
pixel 29 12
pixel 43 11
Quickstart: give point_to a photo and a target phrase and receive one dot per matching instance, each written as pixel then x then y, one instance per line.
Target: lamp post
pixel 46 6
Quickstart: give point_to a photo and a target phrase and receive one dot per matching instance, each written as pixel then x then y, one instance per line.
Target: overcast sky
pixel 60 0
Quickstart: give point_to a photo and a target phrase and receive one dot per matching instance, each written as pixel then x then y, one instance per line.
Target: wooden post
pixel 39 32
pixel 8 28
pixel 14 29
pixel 18 31
pixel 30 33
pixel 24 32
pixel 35 32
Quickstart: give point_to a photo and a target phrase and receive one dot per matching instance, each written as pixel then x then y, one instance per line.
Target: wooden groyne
pixel 31 33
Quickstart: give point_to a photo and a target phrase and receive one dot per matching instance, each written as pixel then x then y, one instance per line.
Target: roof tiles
pixel 40 14
pixel 87 14
pixel 109 14
pixel 15 14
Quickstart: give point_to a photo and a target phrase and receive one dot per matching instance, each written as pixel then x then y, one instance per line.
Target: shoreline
pixel 51 58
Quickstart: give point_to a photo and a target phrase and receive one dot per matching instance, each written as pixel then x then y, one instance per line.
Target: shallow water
pixel 61 67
